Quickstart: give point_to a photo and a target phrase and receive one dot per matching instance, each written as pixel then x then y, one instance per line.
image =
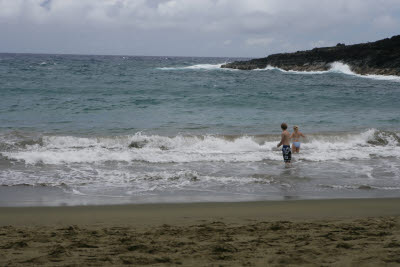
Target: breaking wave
pixel 338 67
pixel 141 181
pixel 207 148
pixel 196 67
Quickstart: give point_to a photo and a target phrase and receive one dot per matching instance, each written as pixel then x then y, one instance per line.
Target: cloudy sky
pixel 246 28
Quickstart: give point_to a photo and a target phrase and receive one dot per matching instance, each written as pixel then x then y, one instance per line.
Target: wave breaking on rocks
pixel 378 58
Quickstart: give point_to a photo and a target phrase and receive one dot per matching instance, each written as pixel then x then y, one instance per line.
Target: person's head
pixel 295 128
pixel 284 126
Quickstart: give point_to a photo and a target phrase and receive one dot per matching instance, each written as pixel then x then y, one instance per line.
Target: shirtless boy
pixel 296 139
pixel 285 141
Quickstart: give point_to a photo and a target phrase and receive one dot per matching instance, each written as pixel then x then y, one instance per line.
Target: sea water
pixel 78 129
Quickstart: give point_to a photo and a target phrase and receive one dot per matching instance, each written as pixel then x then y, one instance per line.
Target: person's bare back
pixel 285 143
pixel 285 138
pixel 296 136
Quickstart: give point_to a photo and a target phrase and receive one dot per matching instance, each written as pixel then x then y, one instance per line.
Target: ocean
pixel 80 130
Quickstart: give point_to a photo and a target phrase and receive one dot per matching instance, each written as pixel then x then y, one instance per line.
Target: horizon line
pixel 118 55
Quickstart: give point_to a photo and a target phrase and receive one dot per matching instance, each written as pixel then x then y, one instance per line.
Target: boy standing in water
pixel 285 141
pixel 296 139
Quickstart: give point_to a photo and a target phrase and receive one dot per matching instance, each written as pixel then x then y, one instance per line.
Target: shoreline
pixel 339 232
pixel 181 213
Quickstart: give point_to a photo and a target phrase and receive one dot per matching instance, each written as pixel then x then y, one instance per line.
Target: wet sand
pixel 348 232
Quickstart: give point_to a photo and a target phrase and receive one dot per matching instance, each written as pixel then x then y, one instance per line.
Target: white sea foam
pixel 123 166
pixel 57 150
pixel 269 67
pixel 382 77
pixel 162 149
pixel 362 187
pixel 196 67
pixel 90 183
pixel 338 67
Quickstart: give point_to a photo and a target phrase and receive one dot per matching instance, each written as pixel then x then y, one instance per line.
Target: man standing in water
pixel 285 141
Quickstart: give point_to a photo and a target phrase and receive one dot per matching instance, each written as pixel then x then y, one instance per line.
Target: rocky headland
pixel 381 57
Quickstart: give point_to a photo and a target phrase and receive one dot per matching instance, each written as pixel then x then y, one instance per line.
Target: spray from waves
pixel 366 145
pixel 196 67
pixel 337 67
pixel 153 148
pixel 200 67
pixel 180 149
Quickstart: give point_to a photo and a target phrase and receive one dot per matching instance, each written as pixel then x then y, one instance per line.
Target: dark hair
pixel 284 126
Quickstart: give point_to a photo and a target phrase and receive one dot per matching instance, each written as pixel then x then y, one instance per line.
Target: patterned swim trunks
pixel 287 153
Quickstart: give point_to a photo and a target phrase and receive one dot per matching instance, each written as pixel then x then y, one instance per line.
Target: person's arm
pixel 302 135
pixel 281 142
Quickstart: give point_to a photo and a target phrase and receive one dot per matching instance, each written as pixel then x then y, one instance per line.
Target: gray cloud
pixel 195 27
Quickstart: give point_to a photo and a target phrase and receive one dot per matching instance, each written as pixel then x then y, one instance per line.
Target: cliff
pixel 381 57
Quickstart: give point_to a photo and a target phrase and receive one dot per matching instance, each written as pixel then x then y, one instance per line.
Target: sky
pixel 215 28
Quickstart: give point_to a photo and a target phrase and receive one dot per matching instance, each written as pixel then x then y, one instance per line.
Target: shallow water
pixel 112 129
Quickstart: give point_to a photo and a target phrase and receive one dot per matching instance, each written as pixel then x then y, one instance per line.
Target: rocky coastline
pixel 380 58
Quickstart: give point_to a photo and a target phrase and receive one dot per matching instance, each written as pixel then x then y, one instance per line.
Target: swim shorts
pixel 287 153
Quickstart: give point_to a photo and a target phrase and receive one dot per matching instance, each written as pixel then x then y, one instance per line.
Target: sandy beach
pixel 348 232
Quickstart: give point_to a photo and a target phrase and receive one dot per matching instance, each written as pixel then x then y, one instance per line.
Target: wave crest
pixel 337 67
pixel 207 148
pixel 196 67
